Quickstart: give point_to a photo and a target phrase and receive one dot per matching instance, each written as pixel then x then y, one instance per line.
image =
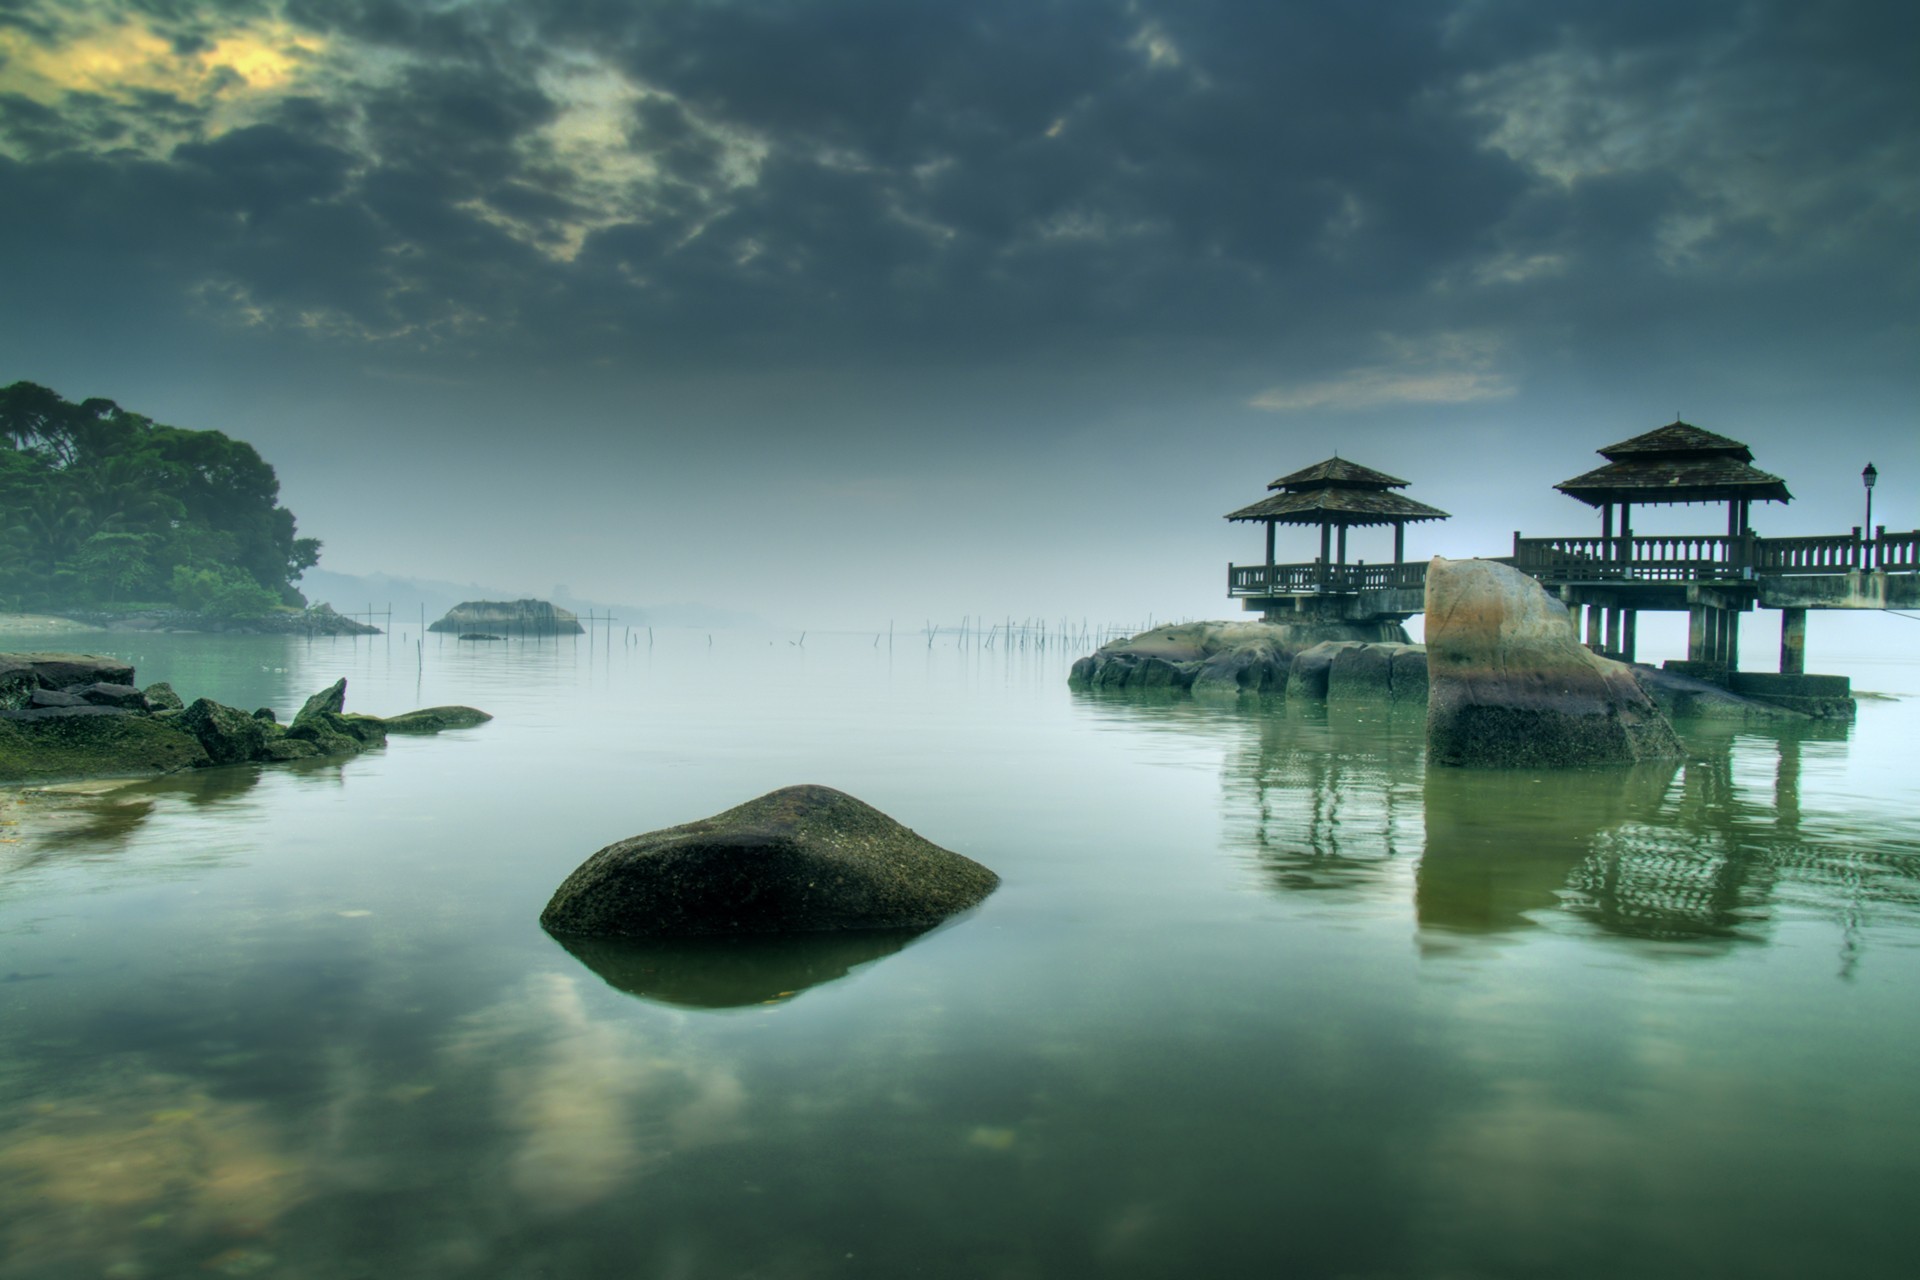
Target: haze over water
pixel 1259 993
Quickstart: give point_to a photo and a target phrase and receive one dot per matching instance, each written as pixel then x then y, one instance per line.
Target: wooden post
pixel 1697 633
pixel 1613 630
pixel 1269 588
pixel 1793 642
pixel 1627 635
pixel 1399 541
pixel 1730 640
pixel 1593 627
pixel 1626 533
pixel 1343 546
pixel 1326 551
pixel 1606 523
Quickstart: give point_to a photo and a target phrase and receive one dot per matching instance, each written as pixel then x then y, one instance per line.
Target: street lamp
pixel 1867 478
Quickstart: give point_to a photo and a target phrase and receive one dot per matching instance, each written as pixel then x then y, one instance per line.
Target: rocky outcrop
pixel 473 618
pixel 101 726
pixel 1511 685
pixel 799 860
pixel 1226 657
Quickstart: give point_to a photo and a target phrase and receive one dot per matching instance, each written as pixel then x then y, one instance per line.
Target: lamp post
pixel 1867 478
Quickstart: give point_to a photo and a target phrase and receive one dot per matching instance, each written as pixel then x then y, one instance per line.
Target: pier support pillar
pixel 1627 634
pixel 1593 627
pixel 1730 639
pixel 1613 630
pixel 1793 642
pixel 1697 633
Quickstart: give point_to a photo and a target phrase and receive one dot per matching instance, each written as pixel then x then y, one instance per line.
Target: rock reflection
pixel 1503 845
pixel 732 973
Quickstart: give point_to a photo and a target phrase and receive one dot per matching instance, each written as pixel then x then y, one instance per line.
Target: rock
pixel 161 697
pixel 798 860
pixel 113 695
pixel 281 749
pixel 337 735
pixel 227 734
pixel 1682 697
pixel 434 719
pixel 65 670
pixel 332 700
pixel 1512 686
pixel 1378 674
pixel 265 715
pixel 17 682
pixel 1251 669
pixel 40 698
pixel 479 635
pixel 90 742
pixel 1312 669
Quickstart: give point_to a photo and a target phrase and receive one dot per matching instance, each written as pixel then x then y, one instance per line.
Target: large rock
pixel 22 673
pixel 797 860
pixel 1511 685
pixel 1308 678
pixel 161 697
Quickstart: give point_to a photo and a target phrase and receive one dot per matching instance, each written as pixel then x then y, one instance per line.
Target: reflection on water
pixel 1188 1037
pixel 731 973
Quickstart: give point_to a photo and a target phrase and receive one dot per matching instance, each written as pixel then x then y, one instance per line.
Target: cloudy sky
pixel 853 309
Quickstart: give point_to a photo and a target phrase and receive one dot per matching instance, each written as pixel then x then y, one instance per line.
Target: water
pixel 1259 995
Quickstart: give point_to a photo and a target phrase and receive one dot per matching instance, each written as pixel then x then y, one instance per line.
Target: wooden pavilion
pixel 1671 465
pixel 1336 495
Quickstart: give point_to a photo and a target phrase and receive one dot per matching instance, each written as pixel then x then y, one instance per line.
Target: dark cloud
pixel 1016 177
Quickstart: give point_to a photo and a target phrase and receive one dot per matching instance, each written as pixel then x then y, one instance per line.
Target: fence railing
pixel 1316 578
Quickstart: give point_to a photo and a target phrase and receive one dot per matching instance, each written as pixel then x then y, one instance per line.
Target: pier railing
pixel 1316 578
pixel 1712 558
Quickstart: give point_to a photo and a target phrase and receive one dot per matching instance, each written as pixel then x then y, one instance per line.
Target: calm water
pixel 1260 994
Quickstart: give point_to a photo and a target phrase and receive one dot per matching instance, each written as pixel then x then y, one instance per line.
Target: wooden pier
pixel 1608 579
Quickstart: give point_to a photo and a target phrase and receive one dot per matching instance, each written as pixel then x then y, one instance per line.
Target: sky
pixel 856 310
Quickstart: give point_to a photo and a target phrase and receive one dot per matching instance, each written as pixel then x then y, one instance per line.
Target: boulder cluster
pixel 1305 663
pixel 66 715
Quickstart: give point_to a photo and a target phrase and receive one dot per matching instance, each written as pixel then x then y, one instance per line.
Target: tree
pixel 100 501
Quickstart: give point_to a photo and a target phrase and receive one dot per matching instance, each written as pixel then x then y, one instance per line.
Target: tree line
pixel 101 507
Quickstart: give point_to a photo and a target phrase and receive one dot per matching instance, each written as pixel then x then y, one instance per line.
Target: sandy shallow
pixel 32 624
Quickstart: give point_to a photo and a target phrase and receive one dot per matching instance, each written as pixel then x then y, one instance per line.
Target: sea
pixel 1261 993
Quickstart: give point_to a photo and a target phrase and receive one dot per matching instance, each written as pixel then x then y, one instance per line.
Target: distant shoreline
pixel 322 623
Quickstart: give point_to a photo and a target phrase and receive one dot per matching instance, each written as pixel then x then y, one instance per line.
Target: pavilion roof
pixel 1339 506
pixel 1676 463
pixel 1338 473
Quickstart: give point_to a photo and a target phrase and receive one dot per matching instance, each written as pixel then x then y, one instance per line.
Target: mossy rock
pixel 798 860
pixel 103 745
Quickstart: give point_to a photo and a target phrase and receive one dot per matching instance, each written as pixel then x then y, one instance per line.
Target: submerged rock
pixel 1511 685
pixel 434 719
pixel 798 860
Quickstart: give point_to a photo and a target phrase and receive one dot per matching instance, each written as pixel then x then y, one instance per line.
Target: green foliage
pixel 101 506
